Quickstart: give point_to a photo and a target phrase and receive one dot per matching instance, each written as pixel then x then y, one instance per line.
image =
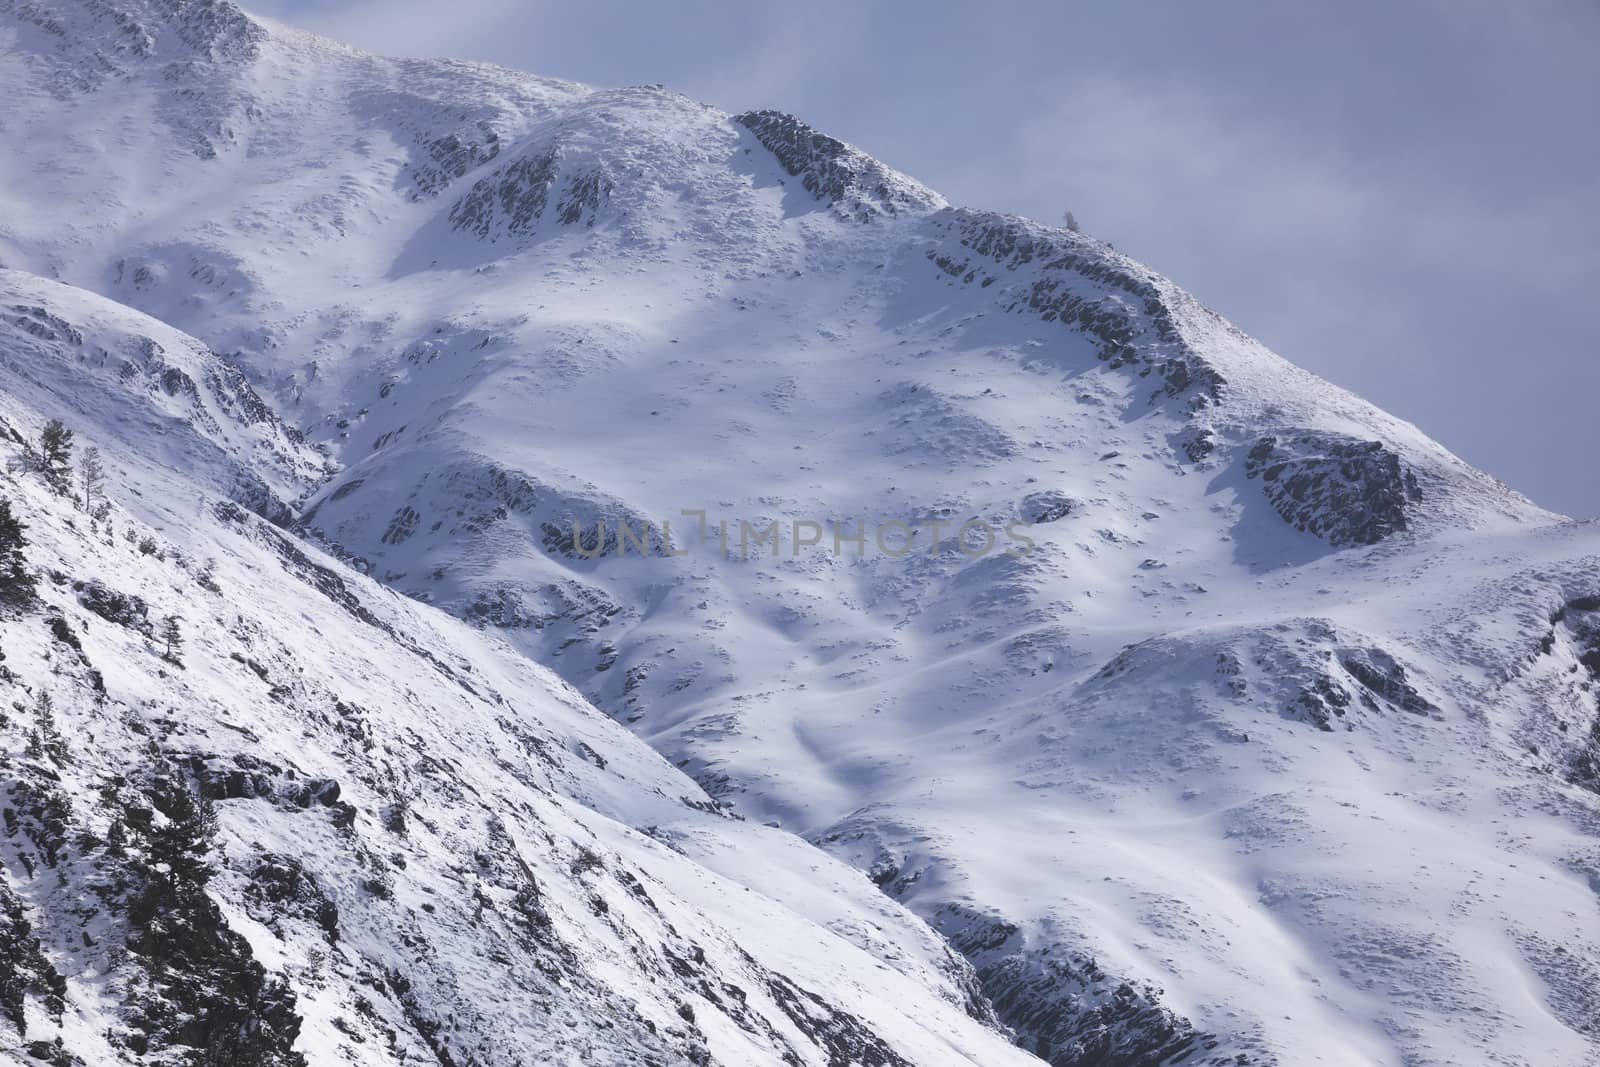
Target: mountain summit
pixel 662 586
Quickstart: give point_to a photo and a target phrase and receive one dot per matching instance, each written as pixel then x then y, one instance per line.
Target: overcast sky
pixel 1402 196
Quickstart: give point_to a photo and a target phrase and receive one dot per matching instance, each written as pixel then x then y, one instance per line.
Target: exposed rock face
pixel 1346 491
pixel 42 324
pixel 1328 694
pixel 1068 278
pixel 1048 505
pixel 1577 624
pixel 1319 702
pixel 1197 444
pixel 1384 677
pixel 834 172
pixel 121 608
pixel 1055 999
pixel 452 155
pixel 511 200
pixel 124 32
pixel 1066 1010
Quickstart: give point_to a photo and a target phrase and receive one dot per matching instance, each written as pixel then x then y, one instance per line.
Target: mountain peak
pixel 672 569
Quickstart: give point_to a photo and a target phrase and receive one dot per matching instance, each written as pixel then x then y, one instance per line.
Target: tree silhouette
pixel 177 848
pixel 16 584
pixel 55 456
pixel 92 476
pixel 173 637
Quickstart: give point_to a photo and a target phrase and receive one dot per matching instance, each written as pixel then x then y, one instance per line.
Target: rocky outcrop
pixel 1383 676
pixel 512 200
pixel 1054 999
pixel 1344 490
pixel 451 155
pixel 1320 701
pixel 836 173
pixel 124 609
pixel 1069 1012
pixel 1049 505
pixel 1577 623
pixel 1065 277
pixel 42 324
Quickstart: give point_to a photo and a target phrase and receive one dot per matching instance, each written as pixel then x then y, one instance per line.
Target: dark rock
pixel 283 887
pixel 248 778
pixel 1384 677
pixel 1319 702
pixel 249 490
pixel 1063 1007
pixel 1046 506
pixel 511 200
pixel 324 791
pixel 1082 284
pixel 1344 490
pixel 63 633
pixel 124 609
pixel 452 155
pixel 43 325
pixel 401 526
pixel 847 1041
pixel 1198 444
pixel 832 171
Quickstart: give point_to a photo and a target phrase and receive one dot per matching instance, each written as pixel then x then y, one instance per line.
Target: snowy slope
pixel 425 847
pixel 1280 743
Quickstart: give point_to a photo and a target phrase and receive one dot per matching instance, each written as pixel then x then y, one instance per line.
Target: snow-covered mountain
pixel 421 846
pixel 1171 704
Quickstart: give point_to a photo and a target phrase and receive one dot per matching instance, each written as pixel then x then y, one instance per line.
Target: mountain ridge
pixel 499 308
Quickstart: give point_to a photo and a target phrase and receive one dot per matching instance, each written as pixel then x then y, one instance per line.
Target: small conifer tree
pixel 16 584
pixel 92 479
pixel 55 456
pixel 172 637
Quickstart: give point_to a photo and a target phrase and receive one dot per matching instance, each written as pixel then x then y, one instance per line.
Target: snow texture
pixel 1281 744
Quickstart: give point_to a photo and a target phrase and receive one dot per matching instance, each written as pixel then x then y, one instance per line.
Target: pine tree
pixel 173 636
pixel 55 456
pixel 180 844
pixel 45 739
pixel 16 584
pixel 92 475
